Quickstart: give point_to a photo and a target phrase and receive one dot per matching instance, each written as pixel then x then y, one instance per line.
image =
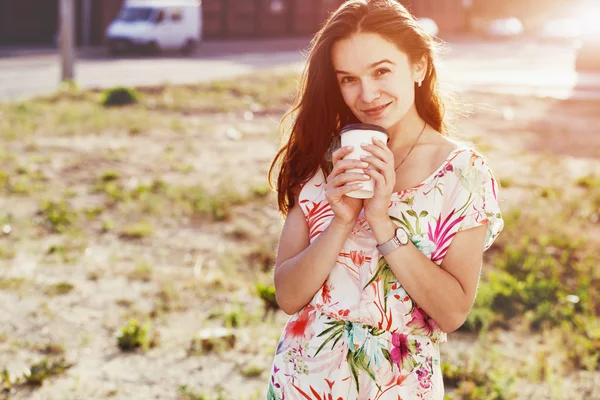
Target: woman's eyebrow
pixel 370 66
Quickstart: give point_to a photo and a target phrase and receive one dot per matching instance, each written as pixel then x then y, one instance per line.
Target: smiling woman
pixel 373 285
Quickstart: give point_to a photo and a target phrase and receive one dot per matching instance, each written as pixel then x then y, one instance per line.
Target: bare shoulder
pixel 440 147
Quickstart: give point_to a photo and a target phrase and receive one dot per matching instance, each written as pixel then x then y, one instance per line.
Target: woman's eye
pixel 382 71
pixel 347 79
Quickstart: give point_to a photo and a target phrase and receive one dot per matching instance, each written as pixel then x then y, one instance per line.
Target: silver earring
pixel 420 82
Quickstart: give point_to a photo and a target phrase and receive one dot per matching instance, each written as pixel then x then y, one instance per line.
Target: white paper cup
pixel 354 135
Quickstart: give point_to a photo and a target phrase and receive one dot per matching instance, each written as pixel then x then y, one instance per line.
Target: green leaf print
pixel 388 357
pixel 403 222
pixel 423 214
pixel 409 202
pixel 337 334
pixel 360 361
pixel 271 395
pixel 387 278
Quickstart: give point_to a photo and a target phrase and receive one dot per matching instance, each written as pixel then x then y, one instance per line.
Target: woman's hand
pixel 340 182
pixel 381 170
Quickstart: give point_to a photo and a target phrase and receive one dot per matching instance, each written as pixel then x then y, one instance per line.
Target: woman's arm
pixel 444 292
pixel 302 267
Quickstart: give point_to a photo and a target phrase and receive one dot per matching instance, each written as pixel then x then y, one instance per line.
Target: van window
pixel 176 15
pixel 133 14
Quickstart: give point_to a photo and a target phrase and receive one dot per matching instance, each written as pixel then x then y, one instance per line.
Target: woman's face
pixel 376 79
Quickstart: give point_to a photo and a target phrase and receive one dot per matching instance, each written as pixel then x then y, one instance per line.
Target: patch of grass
pixel 59 289
pixel 11 283
pixel 198 201
pixel 236 318
pixel 588 182
pixel 251 371
pixel 184 392
pixel 93 212
pixel 119 96
pixel 481 375
pixel 142 272
pixel 261 191
pixel 267 295
pixel 506 182
pixel 58 216
pixel 51 349
pixel 135 336
pixel 6 252
pixel 110 176
pixel 138 230
pixel 69 251
pixel 47 368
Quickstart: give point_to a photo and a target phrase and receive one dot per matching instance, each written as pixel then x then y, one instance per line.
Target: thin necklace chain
pixel 411 149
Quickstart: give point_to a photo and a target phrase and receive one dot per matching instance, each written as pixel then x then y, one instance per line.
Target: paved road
pixel 515 66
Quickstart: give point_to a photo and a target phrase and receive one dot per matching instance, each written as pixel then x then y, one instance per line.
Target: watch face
pixel 402 235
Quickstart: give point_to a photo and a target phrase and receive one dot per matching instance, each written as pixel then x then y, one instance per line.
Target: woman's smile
pixel 377 111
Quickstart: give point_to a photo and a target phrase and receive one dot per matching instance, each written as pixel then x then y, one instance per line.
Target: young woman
pixel 374 285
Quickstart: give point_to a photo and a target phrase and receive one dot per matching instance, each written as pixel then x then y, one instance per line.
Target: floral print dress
pixel 362 336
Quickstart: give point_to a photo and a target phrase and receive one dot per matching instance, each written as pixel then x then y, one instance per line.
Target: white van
pixel 156 25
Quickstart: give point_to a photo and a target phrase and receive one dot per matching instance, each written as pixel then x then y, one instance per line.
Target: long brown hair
pixel 319 111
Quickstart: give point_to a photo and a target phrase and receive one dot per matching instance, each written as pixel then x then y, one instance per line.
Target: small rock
pixel 233 134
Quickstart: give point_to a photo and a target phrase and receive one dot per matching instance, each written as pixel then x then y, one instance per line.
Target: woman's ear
pixel 420 69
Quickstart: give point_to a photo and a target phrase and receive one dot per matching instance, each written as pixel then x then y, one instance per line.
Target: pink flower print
pixel 357 257
pixel 421 323
pixel 424 378
pixel 400 353
pixel 275 371
pixel 448 168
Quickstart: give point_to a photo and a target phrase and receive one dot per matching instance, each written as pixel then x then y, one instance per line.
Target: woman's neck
pixel 406 131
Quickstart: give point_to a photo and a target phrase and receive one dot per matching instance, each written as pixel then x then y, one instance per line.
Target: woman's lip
pixel 377 110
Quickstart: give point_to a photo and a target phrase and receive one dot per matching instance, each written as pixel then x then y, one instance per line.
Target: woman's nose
pixel 369 92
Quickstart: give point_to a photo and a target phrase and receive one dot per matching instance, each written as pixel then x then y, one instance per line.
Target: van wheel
pixel 189 47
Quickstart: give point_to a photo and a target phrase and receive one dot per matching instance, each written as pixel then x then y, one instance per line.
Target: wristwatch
pixel 400 239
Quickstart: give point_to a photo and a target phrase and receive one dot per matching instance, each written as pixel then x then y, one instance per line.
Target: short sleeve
pixel 478 202
pixel 314 205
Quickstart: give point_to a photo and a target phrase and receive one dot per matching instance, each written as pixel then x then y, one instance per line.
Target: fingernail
pixel 366 176
pixel 364 164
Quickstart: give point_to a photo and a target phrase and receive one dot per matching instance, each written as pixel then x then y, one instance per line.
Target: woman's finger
pixel 380 181
pixel 347 188
pixel 347 177
pixel 343 165
pixel 340 154
pixel 384 154
pixel 376 163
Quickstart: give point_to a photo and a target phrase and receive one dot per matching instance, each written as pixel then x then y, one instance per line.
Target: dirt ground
pixel 202 270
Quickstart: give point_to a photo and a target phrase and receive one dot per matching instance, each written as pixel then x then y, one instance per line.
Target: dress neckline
pixel 451 156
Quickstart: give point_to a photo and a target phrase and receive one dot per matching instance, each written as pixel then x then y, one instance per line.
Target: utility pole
pixel 67 39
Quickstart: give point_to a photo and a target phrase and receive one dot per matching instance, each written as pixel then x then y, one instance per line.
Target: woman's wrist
pixel 383 229
pixel 340 224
